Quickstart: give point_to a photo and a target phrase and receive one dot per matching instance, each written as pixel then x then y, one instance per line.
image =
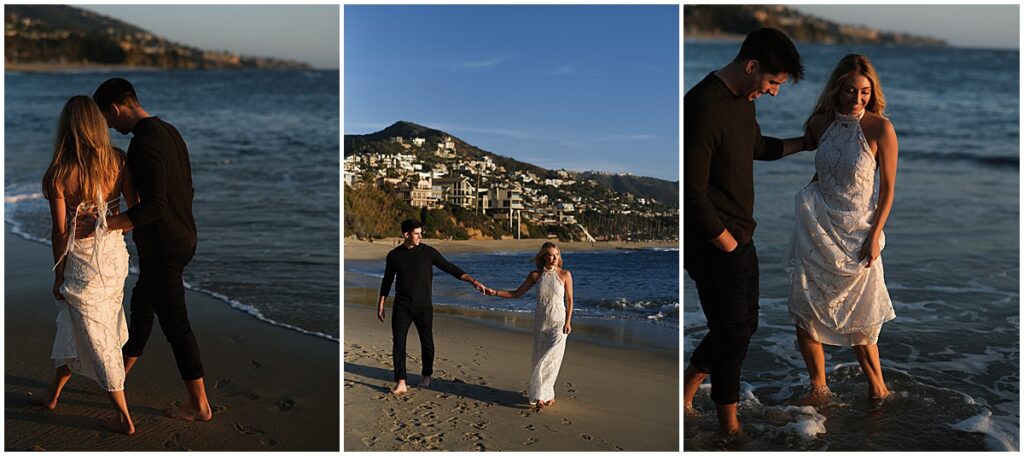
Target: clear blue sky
pixel 307 33
pixel 576 87
pixel 987 26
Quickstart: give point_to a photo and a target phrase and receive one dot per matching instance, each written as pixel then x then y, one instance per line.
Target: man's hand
pixel 725 242
pixel 479 286
pixel 85 225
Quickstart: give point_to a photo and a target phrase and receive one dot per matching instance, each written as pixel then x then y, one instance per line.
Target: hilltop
pixel 462 191
pixel 64 36
pixel 739 20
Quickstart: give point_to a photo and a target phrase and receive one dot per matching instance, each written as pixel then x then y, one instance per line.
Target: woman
pixel 838 294
pixel 85 179
pixel 551 321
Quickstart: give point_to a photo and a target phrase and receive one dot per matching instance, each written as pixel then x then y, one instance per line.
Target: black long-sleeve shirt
pixel 721 138
pixel 160 167
pixel 414 268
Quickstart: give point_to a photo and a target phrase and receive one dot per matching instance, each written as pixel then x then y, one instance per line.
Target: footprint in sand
pixel 264 439
pixel 370 441
pixel 530 441
pixel 528 427
pixel 472 436
pixel 255 364
pixel 222 383
pixel 173 442
pixel 218 408
pixel 479 447
pixel 586 437
pixel 481 425
pixel 565 421
pixel 285 404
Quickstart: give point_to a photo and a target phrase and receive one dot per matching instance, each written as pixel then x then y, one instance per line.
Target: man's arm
pixel 700 141
pixel 385 285
pixel 149 169
pixel 454 270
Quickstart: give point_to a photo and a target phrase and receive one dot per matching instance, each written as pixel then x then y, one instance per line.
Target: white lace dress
pixel 832 295
pixel 91 324
pixel 548 338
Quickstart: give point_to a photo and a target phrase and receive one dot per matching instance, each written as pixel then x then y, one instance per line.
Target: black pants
pixel 727 284
pixel 161 291
pixel 401 317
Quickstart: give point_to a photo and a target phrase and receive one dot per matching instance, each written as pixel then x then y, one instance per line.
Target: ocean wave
pixel 1007 162
pixel 22 197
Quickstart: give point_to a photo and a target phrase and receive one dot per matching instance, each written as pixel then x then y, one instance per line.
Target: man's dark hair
pixel 115 90
pixel 410 224
pixel 774 52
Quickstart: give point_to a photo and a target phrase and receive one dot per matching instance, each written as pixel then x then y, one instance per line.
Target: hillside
pixel 739 20
pixel 61 35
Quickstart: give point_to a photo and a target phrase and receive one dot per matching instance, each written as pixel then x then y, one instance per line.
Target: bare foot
pixel 400 389
pixel 689 410
pixel 425 383
pixel 42 400
pixel 818 395
pixel 118 423
pixel 187 412
pixel 548 403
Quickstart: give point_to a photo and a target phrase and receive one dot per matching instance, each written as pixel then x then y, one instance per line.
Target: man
pixel 413 263
pixel 721 139
pixel 165 236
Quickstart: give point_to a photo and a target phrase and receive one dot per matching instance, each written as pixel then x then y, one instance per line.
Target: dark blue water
pixel 627 286
pixel 264 151
pixel 951 260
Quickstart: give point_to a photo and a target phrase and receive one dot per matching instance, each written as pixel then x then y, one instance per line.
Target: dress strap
pixel 99 232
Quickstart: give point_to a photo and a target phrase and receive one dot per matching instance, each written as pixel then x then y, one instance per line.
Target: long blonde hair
pixel 539 258
pixel 828 101
pixel 82 154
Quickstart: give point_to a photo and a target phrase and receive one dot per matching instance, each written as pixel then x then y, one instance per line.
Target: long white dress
pixel 91 324
pixel 548 338
pixel 832 295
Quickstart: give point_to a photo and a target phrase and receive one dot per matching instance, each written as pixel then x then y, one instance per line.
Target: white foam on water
pixel 22 197
pixel 999 436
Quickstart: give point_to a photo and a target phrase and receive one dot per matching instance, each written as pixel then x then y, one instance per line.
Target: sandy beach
pixel 608 398
pixel 378 249
pixel 270 388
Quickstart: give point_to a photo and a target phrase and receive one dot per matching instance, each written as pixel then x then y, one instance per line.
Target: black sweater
pixel 160 167
pixel 414 268
pixel 721 138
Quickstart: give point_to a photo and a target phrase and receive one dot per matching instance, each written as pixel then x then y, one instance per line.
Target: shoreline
pixel 624 334
pixel 608 398
pixel 271 388
pixel 377 250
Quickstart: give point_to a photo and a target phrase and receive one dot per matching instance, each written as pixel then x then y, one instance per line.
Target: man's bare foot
pixel 425 383
pixel 187 412
pixel 400 388
pixel 118 423
pixel 42 400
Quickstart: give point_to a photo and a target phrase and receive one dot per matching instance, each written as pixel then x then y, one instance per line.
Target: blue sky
pixel 575 87
pixel 307 33
pixel 987 26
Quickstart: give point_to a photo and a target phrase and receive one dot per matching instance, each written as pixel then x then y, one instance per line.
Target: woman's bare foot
pixel 188 412
pixel 42 400
pixel 879 394
pixel 119 423
pixel 818 395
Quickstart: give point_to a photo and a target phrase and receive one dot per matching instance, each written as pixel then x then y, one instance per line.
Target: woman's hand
pixel 567 328
pixel 870 251
pixel 58 281
pixel 491 292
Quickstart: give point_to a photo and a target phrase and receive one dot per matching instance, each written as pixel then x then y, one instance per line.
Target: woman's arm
pixel 58 238
pixel 888 150
pixel 567 279
pixel 531 278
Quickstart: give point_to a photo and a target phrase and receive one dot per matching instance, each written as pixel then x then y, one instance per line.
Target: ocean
pixel 264 151
pixel 627 297
pixel 951 258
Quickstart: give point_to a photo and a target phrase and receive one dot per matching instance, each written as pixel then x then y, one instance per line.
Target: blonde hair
pixel 828 101
pixel 82 154
pixel 539 258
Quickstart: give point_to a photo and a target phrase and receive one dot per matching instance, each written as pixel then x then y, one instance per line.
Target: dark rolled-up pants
pixel 402 316
pixel 160 291
pixel 727 285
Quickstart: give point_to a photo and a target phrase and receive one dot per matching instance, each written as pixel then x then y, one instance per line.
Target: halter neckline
pixel 849 118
